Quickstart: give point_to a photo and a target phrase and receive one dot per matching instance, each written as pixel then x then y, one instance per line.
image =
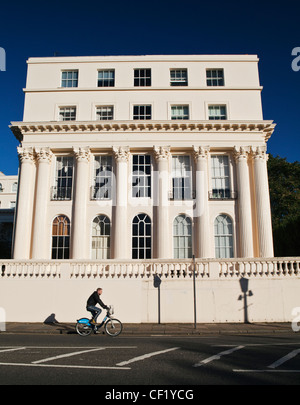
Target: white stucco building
pixel 139 157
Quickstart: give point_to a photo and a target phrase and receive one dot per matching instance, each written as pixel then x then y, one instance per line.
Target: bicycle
pixel 112 326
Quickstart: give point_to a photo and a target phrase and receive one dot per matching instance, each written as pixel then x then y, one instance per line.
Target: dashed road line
pixel 217 356
pixel 146 356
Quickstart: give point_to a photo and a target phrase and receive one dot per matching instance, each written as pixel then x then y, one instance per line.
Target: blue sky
pixel 268 29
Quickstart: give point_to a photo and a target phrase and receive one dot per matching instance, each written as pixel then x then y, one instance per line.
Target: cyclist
pixel 92 301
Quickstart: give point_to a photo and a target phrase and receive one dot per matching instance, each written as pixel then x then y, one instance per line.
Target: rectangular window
pixel 142 112
pixel 106 78
pixel 142 77
pixel 63 178
pixel 220 179
pixel 141 176
pixel 217 112
pixel 181 178
pixel 105 113
pixel 215 77
pixel 178 77
pixel 69 78
pixel 67 114
pixel 102 189
pixel 179 112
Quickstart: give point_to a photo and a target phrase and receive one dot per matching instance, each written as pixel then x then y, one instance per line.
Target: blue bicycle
pixel 112 326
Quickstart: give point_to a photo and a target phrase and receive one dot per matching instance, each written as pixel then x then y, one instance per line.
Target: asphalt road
pixel 149 361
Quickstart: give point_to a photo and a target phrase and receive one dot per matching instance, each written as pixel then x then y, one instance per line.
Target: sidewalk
pixel 150 329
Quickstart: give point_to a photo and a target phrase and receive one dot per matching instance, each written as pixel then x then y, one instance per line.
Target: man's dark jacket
pixel 95 299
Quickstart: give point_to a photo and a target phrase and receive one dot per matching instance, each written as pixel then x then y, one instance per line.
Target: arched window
pixel 61 237
pixel 182 237
pixel 101 237
pixel 223 237
pixel 141 237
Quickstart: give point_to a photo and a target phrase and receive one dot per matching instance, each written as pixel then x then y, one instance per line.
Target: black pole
pixel 194 287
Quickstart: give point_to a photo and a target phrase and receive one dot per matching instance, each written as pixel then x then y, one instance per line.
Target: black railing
pixel 61 193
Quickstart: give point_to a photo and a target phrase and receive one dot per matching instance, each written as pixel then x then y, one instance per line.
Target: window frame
pixel 103 252
pixel 71 80
pixel 142 77
pixel 228 248
pixel 178 117
pixel 106 82
pixel 138 116
pixel 179 80
pixel 108 117
pixel 215 81
pixel 222 116
pixel 141 244
pixel 98 192
pixel 61 239
pixel 72 115
pixel 184 182
pixel 141 180
pixel 187 238
pixel 61 191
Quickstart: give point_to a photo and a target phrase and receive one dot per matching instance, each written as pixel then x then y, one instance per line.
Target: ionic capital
pixel 26 155
pixel 121 153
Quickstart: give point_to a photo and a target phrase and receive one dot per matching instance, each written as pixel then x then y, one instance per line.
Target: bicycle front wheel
pixel 83 329
pixel 113 327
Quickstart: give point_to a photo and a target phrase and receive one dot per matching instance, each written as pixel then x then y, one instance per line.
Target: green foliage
pixel 284 183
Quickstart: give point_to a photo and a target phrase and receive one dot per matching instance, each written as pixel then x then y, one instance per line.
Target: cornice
pixel 20 129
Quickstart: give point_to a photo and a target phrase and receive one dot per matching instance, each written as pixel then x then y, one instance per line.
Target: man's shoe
pixel 92 322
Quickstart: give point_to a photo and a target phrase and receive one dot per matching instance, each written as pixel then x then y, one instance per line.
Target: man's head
pixel 99 291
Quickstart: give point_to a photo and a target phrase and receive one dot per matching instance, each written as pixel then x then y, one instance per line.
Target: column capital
pixel 43 155
pixel 121 153
pixel 82 154
pixel 241 153
pixel 200 152
pixel 162 152
pixel 259 153
pixel 26 155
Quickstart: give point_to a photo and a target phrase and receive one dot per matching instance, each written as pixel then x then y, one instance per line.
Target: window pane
pixel 141 237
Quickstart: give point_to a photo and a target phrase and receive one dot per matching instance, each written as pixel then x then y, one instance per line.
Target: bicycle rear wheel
pixel 113 327
pixel 83 328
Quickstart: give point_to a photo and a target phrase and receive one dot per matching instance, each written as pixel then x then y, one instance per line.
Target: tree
pixel 284 183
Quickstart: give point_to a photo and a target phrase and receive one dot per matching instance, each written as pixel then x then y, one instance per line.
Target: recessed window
pixel 142 112
pixel 106 78
pixel 63 179
pixel 179 112
pixel 61 237
pixel 182 237
pixel 67 114
pixel 105 113
pixel 215 77
pixel 141 237
pixel 141 176
pixel 142 77
pixel 217 112
pixel 181 177
pixel 220 179
pixel 102 189
pixel 178 77
pixel 69 78
pixel 101 238
pixel 223 231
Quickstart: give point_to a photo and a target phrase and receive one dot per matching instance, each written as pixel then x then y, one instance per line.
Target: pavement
pixel 153 329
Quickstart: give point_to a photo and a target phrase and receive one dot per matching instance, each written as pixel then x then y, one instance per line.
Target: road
pixel 151 361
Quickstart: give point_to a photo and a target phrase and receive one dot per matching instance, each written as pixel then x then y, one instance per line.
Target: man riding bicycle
pixel 92 301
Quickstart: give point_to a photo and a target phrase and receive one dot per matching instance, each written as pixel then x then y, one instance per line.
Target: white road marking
pixel 66 355
pixel 146 356
pixel 12 349
pixel 284 359
pixel 265 371
pixel 217 356
pixel 64 366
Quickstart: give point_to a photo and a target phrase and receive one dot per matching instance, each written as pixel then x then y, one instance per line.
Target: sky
pixel 265 28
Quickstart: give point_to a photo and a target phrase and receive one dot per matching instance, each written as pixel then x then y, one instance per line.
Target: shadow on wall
pixel 244 284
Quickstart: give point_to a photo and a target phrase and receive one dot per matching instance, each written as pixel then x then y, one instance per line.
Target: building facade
pixel 143 157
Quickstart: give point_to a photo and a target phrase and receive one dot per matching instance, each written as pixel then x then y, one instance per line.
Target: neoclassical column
pixel 120 230
pixel 22 236
pixel 80 237
pixel 244 203
pixel 263 208
pixel 202 229
pixel 40 248
pixel 163 249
